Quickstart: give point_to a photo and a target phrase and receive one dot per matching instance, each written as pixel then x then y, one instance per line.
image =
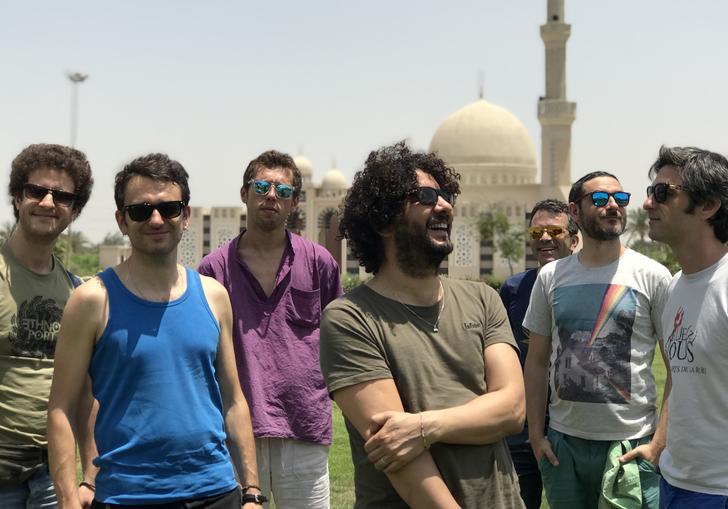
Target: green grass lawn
pixel 341 470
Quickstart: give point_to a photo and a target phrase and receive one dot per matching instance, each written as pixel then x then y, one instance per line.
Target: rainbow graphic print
pixel 592 361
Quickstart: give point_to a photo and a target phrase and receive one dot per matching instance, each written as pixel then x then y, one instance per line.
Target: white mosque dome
pixel 304 165
pixel 483 135
pixel 334 180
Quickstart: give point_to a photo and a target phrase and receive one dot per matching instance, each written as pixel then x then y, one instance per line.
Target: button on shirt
pixel 276 337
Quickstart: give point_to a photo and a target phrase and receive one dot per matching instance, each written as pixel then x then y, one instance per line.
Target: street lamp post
pixel 76 79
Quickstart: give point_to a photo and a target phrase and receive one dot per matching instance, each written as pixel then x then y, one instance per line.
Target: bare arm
pixel 419 482
pixel 87 411
pixel 80 326
pixel 537 380
pixel 483 420
pixel 239 429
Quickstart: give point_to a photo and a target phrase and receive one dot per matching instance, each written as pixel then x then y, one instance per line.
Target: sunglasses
pixel 35 192
pixel 262 187
pixel 143 211
pixel 429 195
pixel 659 192
pixel 536 232
pixel 601 198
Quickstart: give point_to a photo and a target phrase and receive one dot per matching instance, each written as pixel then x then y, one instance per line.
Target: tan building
pixel 484 142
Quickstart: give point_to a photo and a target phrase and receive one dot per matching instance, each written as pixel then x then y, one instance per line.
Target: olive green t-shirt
pixel 366 336
pixel 31 306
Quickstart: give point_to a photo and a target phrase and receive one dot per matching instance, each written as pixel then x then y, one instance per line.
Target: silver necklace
pixel 439 314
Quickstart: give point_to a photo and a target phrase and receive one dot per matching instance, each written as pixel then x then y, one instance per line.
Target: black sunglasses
pixel 142 211
pixel 659 192
pixel 601 198
pixel 35 192
pixel 262 187
pixel 429 195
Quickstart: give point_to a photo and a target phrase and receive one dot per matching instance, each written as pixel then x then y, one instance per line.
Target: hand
pixel 647 451
pixel 395 440
pixel 542 447
pixel 85 496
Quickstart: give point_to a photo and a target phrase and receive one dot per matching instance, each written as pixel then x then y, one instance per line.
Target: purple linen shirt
pixel 276 338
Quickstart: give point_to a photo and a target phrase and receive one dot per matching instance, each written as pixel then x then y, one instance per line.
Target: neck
pixel 700 254
pixel 263 240
pixel 155 272
pixel 391 282
pixel 34 254
pixel 598 253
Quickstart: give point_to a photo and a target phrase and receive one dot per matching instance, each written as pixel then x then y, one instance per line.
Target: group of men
pixel 212 389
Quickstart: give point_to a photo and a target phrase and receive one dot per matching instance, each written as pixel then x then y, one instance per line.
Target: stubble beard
pixel 592 229
pixel 417 255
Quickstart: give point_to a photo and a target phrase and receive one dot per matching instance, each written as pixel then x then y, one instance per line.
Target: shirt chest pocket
pixel 303 307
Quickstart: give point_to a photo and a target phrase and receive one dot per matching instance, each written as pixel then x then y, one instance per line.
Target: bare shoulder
pixel 213 288
pixel 92 293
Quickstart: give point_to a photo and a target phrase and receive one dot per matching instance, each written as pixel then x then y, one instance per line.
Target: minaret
pixel 555 113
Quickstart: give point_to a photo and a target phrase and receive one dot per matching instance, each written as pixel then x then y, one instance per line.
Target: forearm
pixel 62 458
pixel 659 440
pixel 86 422
pixel 484 420
pixel 420 485
pixel 536 397
pixel 241 443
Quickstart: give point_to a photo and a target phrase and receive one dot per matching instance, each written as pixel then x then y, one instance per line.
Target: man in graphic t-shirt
pixel 687 204
pixel 49 186
pixel 594 323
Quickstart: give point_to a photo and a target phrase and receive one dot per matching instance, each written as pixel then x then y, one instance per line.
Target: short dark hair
pixel 274 159
pixel 555 207
pixel 153 166
pixel 55 157
pixel 704 178
pixel 576 188
pixel 376 198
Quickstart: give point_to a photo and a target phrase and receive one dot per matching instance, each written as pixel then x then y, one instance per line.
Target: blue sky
pixel 215 83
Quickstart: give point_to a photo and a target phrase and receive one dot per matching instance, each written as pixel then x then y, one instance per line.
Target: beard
pixel 591 227
pixel 417 254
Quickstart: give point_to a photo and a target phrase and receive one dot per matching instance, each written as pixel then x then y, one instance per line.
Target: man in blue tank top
pixel 156 340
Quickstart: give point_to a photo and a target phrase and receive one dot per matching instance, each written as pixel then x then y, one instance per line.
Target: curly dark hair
pixel 376 198
pixel 555 207
pixel 153 166
pixel 273 159
pixel 56 157
pixel 704 178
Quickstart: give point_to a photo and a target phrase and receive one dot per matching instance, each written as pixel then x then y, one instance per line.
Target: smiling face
pixel 44 219
pixel 546 248
pixel 156 236
pixel 422 237
pixel 268 212
pixel 600 223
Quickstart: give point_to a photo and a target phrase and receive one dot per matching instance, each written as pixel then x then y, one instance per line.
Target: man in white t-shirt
pixel 594 322
pixel 687 205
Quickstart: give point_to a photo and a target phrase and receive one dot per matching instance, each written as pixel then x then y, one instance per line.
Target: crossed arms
pixel 394 438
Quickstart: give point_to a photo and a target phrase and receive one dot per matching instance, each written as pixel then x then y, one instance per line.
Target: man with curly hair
pixel 424 368
pixel 49 186
pixel 278 283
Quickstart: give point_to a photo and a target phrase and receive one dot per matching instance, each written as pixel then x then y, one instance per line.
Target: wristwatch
pixel 255 498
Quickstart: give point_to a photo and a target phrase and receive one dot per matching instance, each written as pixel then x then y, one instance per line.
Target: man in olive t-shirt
pixel 424 369
pixel 49 186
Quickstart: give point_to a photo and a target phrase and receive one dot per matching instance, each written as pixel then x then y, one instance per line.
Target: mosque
pixel 484 142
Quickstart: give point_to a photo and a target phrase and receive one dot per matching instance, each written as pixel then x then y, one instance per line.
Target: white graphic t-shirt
pixel 695 321
pixel 604 323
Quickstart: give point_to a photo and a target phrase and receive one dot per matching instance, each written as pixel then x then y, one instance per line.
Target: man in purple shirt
pixel 279 283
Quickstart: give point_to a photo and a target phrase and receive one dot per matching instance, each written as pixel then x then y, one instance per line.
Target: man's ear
pixel 120 217
pixel 244 194
pixel 708 209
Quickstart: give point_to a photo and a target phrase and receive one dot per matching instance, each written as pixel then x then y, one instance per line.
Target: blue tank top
pixel 160 427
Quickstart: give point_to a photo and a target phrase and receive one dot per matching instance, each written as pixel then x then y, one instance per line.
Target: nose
pixel 271 191
pixel 156 217
pixel 612 203
pixel 546 233
pixel 47 200
pixel 443 205
pixel 648 204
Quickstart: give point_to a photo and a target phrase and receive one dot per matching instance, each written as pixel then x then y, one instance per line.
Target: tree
pixel 657 251
pixel 508 240
pixel 5 230
pixel 113 239
pixel 638 222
